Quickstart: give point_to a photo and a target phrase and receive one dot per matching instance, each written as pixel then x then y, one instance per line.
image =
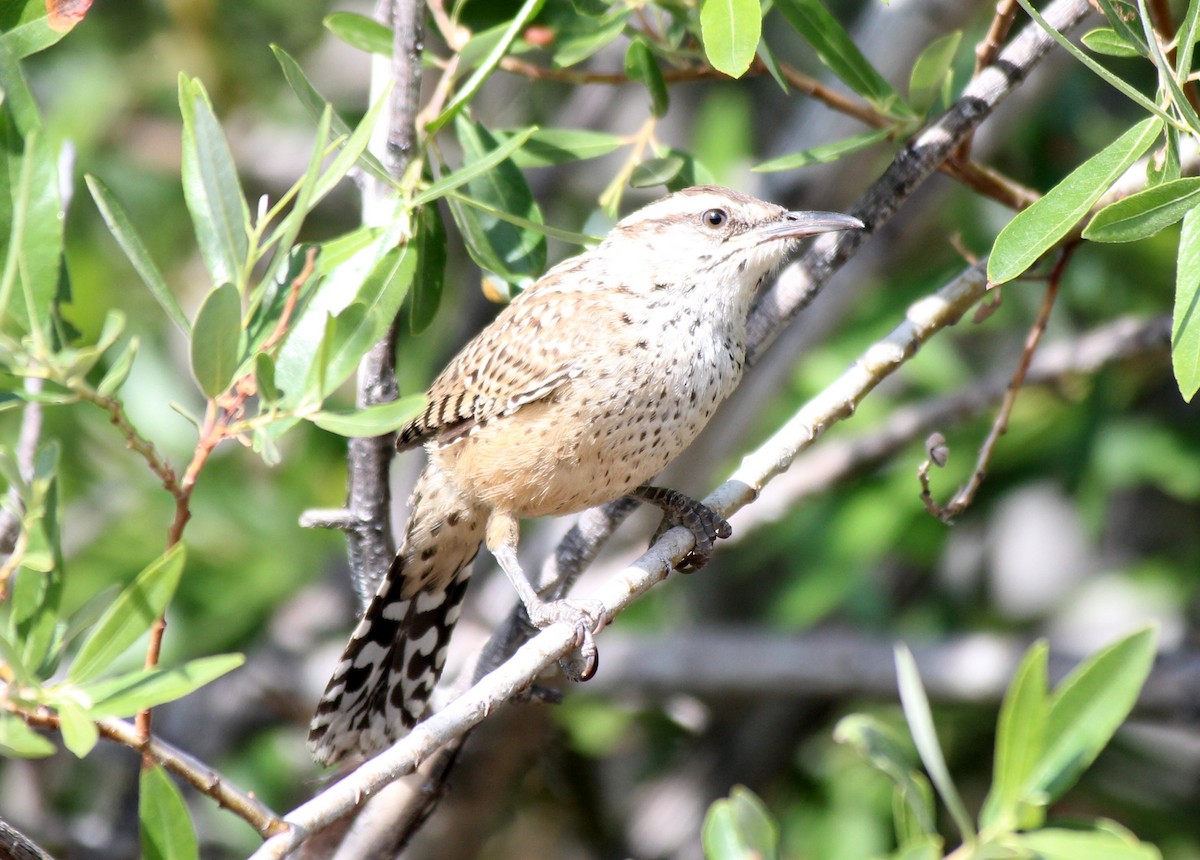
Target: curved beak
pixel 797 224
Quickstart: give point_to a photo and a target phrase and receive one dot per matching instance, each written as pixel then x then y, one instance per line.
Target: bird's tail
pixel 396 653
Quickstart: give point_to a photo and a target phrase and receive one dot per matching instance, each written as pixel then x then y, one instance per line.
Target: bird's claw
pixel 588 618
pixel 706 526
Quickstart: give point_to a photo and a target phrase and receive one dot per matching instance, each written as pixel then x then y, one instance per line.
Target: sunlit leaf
pixel 1086 709
pixel 165 825
pixel 1020 736
pixel 18 740
pixel 371 421
pixel 548 146
pixel 730 30
pixel 1141 215
pixel 739 828
pixel 359 31
pixel 932 70
pixel 217 340
pixel 211 188
pixel 131 243
pixel 130 615
pixel 124 696
pixel 79 732
pixel 838 52
pixel 467 91
pixel 1034 231
pixel 824 153
pixel 656 171
pixel 1185 328
pixel 1105 40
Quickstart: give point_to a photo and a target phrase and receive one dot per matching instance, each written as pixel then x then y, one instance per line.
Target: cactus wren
pixel 581 390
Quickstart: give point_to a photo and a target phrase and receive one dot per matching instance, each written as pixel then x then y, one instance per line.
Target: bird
pixel 579 392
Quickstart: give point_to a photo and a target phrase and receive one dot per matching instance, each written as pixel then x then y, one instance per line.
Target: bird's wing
pixel 533 348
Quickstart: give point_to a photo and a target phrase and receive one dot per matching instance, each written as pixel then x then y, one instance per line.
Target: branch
pixel 369 541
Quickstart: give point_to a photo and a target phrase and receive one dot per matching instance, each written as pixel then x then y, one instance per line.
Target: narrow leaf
pixel 1107 41
pixel 373 420
pixel 431 268
pixel 18 740
pixel 1034 231
pixel 149 688
pixel 656 171
pixel 1143 214
pixel 467 91
pixel 824 153
pixel 1185 327
pixel 920 723
pixel 474 168
pixel 730 30
pixel 739 827
pixel 129 616
pixel 1056 844
pixel 549 146
pixel 217 340
pixel 131 243
pixel 879 745
pixel 118 371
pixel 210 187
pixel 165 825
pixel 78 730
pixel 838 52
pixel 1020 737
pixel 640 65
pixel 359 31
pixel 932 71
pixel 1087 708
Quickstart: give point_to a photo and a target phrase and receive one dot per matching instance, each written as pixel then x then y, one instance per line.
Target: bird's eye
pixel 714 217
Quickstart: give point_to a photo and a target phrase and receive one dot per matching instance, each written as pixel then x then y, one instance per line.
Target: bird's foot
pixel 705 524
pixel 587 618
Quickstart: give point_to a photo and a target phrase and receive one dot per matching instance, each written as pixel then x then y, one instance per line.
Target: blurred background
pixel 1086 528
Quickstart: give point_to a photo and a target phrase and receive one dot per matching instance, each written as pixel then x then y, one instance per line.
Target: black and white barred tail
pixel 395 656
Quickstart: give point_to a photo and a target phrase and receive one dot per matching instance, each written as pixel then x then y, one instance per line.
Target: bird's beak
pixel 794 225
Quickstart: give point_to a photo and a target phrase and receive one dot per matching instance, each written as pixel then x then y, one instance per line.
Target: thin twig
pixel 966 494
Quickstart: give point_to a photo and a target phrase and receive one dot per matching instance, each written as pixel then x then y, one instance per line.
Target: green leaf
pixel 1055 844
pixel 656 171
pixel 351 152
pixel 31 37
pixel 133 612
pixel 78 730
pixel 498 246
pixel 549 146
pixel 474 168
pixel 359 31
pixel 313 102
pixel 1186 39
pixel 264 378
pixel 210 187
pixel 876 742
pixel 838 52
pixel 920 724
pixel 1086 709
pixel 1105 40
pixel 1032 232
pixel 1143 214
pixel 431 268
pixel 371 421
pixel 378 303
pixel 730 30
pixel 547 230
pixel 825 152
pixel 739 828
pixel 131 243
pixel 217 340
pixel 127 694
pixel 118 371
pixel 640 65
pixel 467 91
pixel 932 71
pixel 1114 81
pixel 1185 327
pixel 166 828
pixel 18 740
pixel 580 37
pixel 1020 738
